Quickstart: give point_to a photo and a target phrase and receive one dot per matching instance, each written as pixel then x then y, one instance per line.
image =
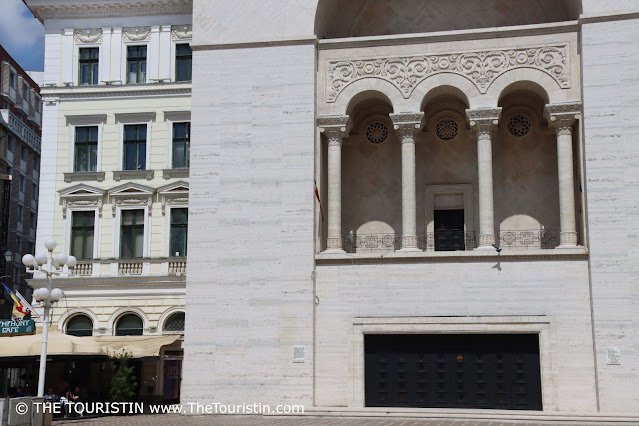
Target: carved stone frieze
pixel 70 203
pixel 88 35
pixel 139 200
pixel 181 32
pixel 136 33
pixel 171 199
pixel 481 67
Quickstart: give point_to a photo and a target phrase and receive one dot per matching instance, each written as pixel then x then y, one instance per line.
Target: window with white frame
pixel 183 62
pixel 82 234
pixel 134 147
pixel 136 64
pixel 132 233
pixel 86 149
pixel 181 145
pixel 89 63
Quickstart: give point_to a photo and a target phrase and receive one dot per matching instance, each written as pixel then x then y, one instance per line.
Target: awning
pixel 64 344
pixel 134 346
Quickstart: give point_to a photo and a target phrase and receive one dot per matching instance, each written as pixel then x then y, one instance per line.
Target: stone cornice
pixel 65 9
pixel 56 94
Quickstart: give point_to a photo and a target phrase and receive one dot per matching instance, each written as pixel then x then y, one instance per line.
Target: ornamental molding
pixel 46 9
pixel 481 67
pixel 86 92
pixel 335 128
pixel 136 33
pixel 484 121
pixel 174 193
pixel 181 32
pixel 70 203
pixel 407 125
pixel 562 116
pixel 81 195
pixel 88 35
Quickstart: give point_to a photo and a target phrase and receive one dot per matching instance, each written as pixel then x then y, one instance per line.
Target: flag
pixel 318 200
pixel 26 304
pixel 19 310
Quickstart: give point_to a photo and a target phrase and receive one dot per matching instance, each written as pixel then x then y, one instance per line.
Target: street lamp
pixel 8 256
pixel 46 264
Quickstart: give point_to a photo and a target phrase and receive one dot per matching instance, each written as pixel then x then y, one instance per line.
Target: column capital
pixel 334 127
pixel 484 120
pixel 407 125
pixel 562 116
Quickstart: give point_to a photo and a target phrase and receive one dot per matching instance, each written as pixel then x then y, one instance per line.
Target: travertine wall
pixel 249 285
pixel 556 290
pixel 611 131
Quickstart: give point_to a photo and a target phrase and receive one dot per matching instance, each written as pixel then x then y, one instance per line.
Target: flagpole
pixel 45 331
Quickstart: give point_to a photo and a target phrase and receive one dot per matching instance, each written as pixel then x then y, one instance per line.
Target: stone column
pixel 407 126
pixel 562 117
pixel 335 130
pixel 484 120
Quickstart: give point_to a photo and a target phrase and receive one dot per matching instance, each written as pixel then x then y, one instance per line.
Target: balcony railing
pixel 173 266
pixel 441 240
pixel 529 239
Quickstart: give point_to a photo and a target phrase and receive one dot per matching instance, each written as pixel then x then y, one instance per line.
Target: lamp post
pixel 46 264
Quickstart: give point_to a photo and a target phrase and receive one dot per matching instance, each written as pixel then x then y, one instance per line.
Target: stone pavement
pixel 231 420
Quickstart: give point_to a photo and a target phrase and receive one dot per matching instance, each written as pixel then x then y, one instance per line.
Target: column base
pixel 486 240
pixel 568 239
pixel 409 250
pixel 334 244
pixel 409 244
pixel 334 251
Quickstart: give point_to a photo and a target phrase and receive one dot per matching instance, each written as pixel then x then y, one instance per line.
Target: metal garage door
pixel 453 371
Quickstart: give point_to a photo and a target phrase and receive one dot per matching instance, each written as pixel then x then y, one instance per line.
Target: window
pixel 37 104
pixel 136 64
pixel 11 144
pixel 89 62
pixel 175 322
pixel 132 234
pixel 86 149
pixel 9 170
pixel 129 325
pixel 34 192
pixel 19 246
pixel 183 62
pixel 82 234
pixel 32 220
pixel 80 325
pixel 24 152
pixel 20 213
pixel 181 144
pixel 135 147
pixel 12 80
pixel 36 164
pixel 25 92
pixel 22 183
pixel 179 227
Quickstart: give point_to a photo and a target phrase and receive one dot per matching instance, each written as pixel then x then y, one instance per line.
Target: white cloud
pixel 18 31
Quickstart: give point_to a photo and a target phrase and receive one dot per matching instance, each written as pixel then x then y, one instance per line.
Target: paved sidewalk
pixel 228 420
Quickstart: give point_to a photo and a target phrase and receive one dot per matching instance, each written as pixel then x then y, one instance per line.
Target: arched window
pixel 175 322
pixel 129 325
pixel 80 325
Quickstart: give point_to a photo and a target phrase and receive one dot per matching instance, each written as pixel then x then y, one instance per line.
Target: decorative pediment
pixel 88 35
pixel 174 193
pixel 131 194
pixel 81 195
pixel 181 32
pixel 136 33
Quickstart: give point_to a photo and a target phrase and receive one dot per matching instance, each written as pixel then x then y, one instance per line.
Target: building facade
pixel 117 95
pixel 20 132
pixel 393 204
pixel 433 131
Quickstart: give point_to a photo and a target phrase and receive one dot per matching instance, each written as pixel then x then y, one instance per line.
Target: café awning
pixel 64 344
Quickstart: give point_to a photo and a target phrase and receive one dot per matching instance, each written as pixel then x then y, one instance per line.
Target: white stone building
pixel 117 96
pixel 433 130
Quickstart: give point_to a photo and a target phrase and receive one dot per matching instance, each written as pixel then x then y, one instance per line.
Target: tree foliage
pixel 123 381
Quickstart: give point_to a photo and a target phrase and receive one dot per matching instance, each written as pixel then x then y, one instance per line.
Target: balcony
pixel 144 267
pixel 21 130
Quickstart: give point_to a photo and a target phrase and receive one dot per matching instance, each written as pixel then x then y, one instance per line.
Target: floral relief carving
pixel 136 33
pixel 88 35
pixel 480 67
pixel 181 32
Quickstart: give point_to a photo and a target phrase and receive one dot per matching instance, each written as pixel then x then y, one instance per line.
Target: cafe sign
pixel 13 328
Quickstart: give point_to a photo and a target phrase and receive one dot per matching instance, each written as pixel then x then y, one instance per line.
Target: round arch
pixel 124 311
pixel 166 315
pixel 530 79
pixel 368 88
pixel 68 315
pixel 455 89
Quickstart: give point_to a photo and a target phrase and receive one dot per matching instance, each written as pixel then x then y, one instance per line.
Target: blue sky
pixel 21 35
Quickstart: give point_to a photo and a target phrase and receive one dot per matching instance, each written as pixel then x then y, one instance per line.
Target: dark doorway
pixel 498 371
pixel 449 230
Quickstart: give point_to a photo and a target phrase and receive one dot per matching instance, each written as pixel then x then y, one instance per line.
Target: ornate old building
pixel 393 204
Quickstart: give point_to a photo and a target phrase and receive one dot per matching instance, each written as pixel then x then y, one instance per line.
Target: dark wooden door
pixel 449 230
pixel 453 371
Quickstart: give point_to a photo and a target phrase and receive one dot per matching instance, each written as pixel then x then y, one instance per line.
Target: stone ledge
pixel 470 255
pixel 83 176
pixel 132 174
pixel 469 414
